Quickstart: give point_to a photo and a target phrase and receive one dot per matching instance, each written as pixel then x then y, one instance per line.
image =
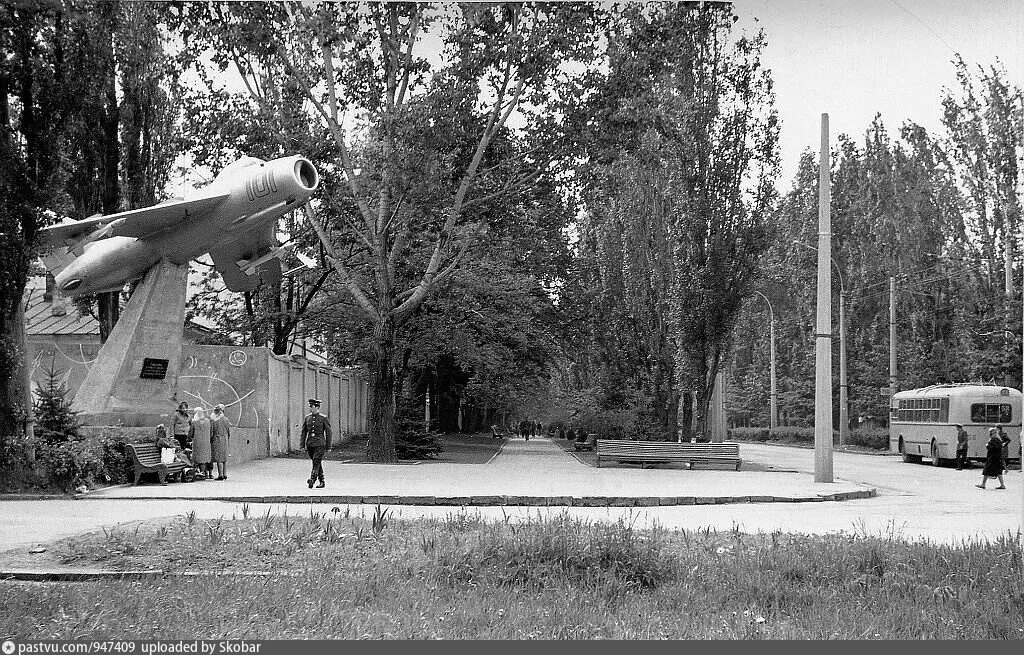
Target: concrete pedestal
pixel 117 390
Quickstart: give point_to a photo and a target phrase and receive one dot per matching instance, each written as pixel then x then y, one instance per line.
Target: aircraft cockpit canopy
pixel 236 166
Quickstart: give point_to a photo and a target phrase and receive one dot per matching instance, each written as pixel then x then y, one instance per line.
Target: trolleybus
pixel 922 422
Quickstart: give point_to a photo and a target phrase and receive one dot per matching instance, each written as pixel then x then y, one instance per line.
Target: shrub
pixel 117 462
pixel 73 463
pixel 747 434
pixel 877 438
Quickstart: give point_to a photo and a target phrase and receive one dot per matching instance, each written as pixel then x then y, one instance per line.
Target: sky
pixel 853 59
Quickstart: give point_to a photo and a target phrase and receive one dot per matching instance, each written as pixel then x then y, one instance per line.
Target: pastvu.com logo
pixel 8 647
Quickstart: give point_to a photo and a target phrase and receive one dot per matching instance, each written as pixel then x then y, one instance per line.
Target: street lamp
pixel 773 416
pixel 844 402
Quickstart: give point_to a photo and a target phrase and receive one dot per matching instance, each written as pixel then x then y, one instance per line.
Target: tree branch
pixel 346 277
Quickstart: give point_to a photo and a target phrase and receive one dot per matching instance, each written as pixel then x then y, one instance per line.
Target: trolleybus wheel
pixel 936 460
pixel 908 458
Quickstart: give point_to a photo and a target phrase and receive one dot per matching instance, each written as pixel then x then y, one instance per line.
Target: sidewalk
pixel 532 473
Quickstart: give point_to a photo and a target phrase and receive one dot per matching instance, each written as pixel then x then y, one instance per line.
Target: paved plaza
pixel 776 492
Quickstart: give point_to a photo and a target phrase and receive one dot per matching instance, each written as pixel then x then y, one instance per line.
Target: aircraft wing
pixel 138 223
pixel 231 261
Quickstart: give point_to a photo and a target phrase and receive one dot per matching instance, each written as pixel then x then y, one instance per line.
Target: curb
pixel 521 501
pixel 4 497
pixel 105 576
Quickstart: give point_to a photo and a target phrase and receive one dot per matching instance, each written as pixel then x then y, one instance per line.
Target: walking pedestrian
pixel 1004 439
pixel 316 440
pixel 961 447
pixel 993 460
pixel 220 432
pixel 202 447
pixel 180 423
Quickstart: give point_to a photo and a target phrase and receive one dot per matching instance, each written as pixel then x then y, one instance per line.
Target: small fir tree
pixel 56 421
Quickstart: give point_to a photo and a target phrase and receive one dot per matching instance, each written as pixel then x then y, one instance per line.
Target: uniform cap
pixel 314 401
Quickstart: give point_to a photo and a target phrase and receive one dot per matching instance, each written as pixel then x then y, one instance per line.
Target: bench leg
pixel 138 474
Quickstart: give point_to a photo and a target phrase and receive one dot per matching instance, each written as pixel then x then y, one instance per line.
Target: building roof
pixel 42 320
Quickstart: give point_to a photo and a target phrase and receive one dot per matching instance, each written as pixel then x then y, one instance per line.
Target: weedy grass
pixel 336 575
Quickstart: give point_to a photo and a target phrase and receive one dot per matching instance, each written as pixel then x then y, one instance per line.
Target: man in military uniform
pixel 316 440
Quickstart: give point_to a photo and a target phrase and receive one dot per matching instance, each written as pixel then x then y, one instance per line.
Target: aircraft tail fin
pixel 57 259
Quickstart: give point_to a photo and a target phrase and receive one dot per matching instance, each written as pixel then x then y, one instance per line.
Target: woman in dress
pixel 180 423
pixel 220 430
pixel 202 449
pixel 993 460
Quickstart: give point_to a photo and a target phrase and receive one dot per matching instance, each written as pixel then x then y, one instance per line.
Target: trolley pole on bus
pixel 823 336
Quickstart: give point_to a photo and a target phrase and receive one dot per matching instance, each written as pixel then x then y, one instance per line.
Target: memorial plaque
pixel 154 369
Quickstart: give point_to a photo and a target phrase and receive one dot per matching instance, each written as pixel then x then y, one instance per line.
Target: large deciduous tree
pixel 411 135
pixel 677 177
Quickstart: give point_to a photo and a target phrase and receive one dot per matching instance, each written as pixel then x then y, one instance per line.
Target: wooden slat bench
pixel 146 459
pixel 650 452
pixel 586 445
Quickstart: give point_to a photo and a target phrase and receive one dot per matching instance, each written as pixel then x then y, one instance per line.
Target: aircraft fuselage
pixel 252 195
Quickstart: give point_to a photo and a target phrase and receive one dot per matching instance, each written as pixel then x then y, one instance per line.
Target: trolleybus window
pixel 922 410
pixel 990 413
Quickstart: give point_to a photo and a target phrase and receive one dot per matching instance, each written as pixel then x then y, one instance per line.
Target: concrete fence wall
pixel 265 395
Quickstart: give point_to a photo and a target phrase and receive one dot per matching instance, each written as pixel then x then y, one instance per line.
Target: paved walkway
pixel 535 472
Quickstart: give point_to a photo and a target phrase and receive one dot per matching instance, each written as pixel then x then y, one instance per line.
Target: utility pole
pixel 773 410
pixel 823 337
pixel 844 409
pixel 844 404
pixel 892 336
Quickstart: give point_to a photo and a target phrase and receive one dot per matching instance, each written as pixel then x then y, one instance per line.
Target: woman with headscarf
pixel 220 430
pixel 180 423
pixel 202 449
pixel 993 460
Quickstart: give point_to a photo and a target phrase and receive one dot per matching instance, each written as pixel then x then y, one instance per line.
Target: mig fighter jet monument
pixel 234 219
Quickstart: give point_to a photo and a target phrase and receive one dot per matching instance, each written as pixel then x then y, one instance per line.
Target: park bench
pixel 146 459
pixel 658 452
pixel 588 444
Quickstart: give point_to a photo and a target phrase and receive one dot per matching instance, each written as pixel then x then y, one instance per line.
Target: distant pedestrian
pixel 993 460
pixel 180 423
pixel 316 440
pixel 202 448
pixel 961 447
pixel 220 433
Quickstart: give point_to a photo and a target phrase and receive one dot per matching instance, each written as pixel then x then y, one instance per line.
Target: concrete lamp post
pixel 844 402
pixel 773 415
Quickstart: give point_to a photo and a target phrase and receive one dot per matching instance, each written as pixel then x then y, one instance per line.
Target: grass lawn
pixel 457 449
pixel 337 576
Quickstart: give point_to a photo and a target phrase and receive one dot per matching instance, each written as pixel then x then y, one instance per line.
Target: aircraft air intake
pixel 306 174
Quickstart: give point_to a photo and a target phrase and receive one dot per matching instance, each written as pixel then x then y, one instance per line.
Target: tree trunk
pixel 686 419
pixel 381 445
pixel 15 397
pixel 109 310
